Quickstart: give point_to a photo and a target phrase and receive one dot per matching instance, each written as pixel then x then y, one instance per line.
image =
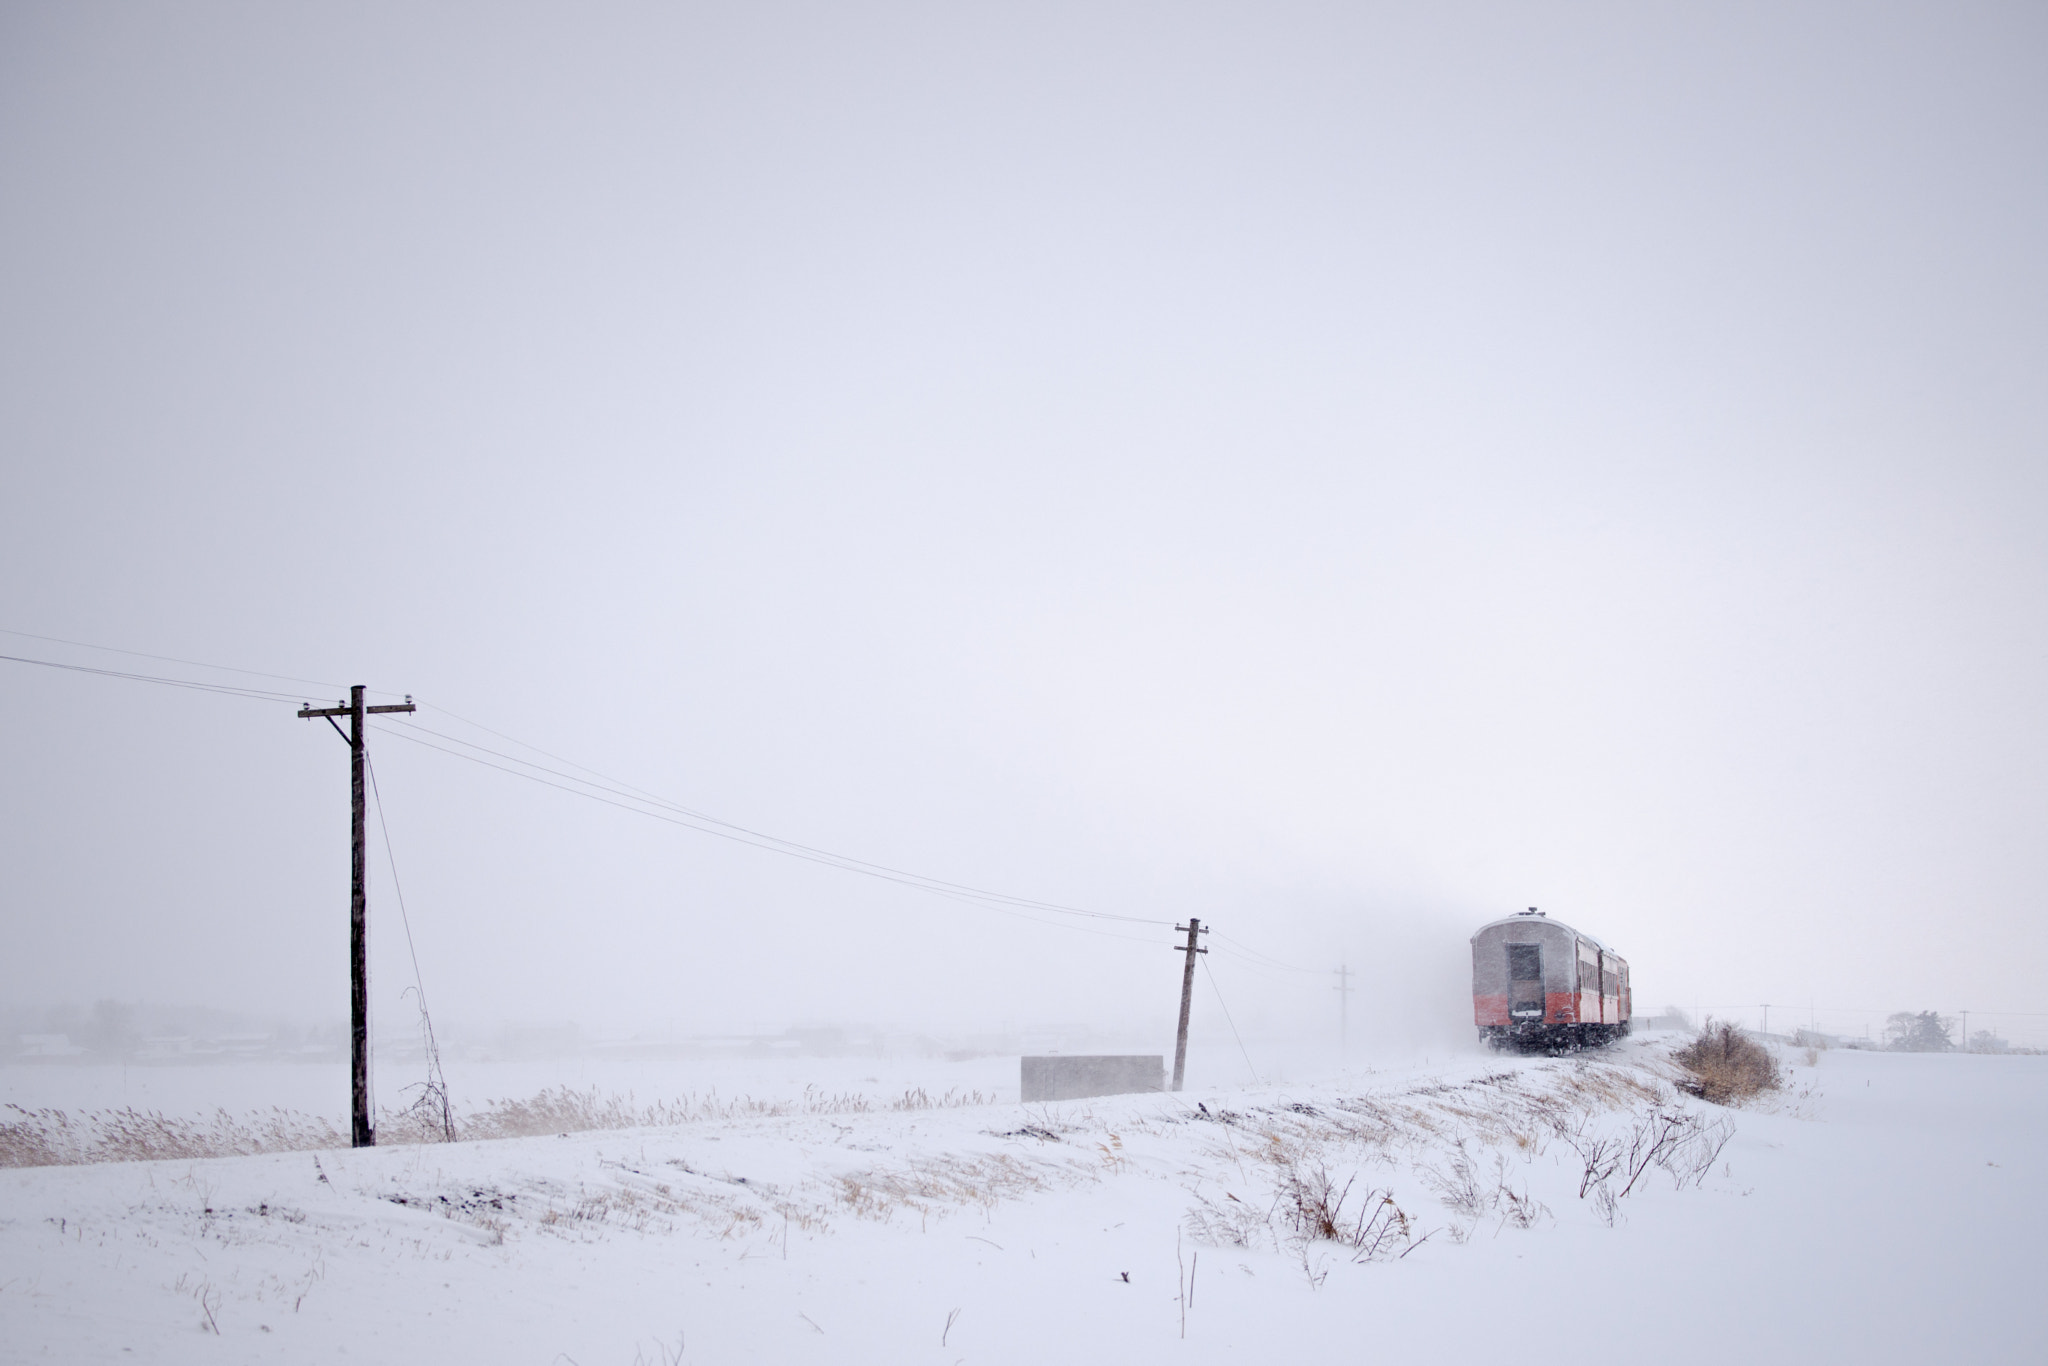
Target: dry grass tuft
pixel 1725 1066
pixel 53 1138
pixel 935 1185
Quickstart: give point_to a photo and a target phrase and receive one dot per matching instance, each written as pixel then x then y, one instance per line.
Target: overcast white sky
pixel 1346 471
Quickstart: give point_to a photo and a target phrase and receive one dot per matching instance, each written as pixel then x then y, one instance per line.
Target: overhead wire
pixel 194 685
pixel 398 888
pixel 435 1089
pixel 697 820
pixel 616 792
pixel 513 739
pixel 776 843
pixel 993 902
pixel 169 659
pixel 1266 960
pixel 1211 975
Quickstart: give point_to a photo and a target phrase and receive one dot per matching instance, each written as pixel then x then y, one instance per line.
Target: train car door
pixel 1525 981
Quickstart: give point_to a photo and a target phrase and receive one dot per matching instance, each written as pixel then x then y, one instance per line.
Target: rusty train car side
pixel 1538 983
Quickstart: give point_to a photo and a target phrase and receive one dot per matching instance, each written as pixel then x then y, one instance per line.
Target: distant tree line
pixel 1925 1031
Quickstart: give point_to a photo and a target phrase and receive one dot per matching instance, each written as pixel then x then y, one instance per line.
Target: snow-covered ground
pixel 1886 1208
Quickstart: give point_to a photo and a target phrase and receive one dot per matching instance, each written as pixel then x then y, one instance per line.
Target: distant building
pixel 48 1046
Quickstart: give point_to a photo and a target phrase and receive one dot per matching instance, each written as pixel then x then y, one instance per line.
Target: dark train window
pixel 1525 962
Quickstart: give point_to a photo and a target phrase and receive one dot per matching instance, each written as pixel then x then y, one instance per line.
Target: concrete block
pixel 1071 1077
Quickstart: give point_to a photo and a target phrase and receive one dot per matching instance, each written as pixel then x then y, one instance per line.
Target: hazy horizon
pixel 1343 473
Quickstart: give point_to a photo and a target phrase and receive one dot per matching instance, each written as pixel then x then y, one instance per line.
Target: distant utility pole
pixel 362 1129
pixel 1767 1019
pixel 1187 995
pixel 1343 990
pixel 1966 1032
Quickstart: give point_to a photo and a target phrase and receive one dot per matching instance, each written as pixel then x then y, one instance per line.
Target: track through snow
pixel 1885 1209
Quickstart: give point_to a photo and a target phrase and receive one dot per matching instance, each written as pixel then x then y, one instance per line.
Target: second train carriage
pixel 1539 983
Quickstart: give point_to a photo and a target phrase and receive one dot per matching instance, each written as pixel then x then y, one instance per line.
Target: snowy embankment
pixel 1883 1209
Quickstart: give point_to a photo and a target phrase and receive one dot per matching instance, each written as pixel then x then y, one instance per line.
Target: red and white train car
pixel 1538 983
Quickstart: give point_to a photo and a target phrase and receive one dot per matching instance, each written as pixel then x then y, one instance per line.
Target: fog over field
pixel 1345 473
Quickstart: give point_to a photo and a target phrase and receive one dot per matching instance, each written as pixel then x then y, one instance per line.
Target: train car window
pixel 1525 962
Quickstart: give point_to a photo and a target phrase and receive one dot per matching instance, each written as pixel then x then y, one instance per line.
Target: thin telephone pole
pixel 362 1128
pixel 1343 990
pixel 1187 996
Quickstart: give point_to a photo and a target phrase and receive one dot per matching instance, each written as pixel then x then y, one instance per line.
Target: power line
pixel 842 860
pixel 696 820
pixel 987 901
pixel 1874 1010
pixel 226 689
pixel 434 1093
pixel 760 839
pixel 1262 959
pixel 171 659
pixel 1211 972
pixel 616 792
pixel 1254 965
pixel 397 888
pixel 513 739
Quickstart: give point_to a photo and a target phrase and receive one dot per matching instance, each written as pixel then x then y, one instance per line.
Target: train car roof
pixel 1524 918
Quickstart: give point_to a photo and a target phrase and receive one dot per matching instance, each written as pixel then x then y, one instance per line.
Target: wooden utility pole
pixel 1343 990
pixel 362 1125
pixel 1187 996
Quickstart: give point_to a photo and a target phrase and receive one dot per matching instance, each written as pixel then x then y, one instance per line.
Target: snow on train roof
pixel 1524 918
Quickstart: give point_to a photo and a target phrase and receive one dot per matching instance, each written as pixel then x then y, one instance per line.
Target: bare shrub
pixel 1232 1223
pixel 1697 1148
pixel 1516 1206
pixel 1682 1144
pixel 1315 1203
pixel 1375 1229
pixel 1471 1195
pixel 1599 1155
pixel 1725 1066
pixel 1309 1207
pixel 1458 1186
pixel 1604 1204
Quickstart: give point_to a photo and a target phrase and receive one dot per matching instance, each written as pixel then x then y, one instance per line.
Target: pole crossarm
pixel 345 710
